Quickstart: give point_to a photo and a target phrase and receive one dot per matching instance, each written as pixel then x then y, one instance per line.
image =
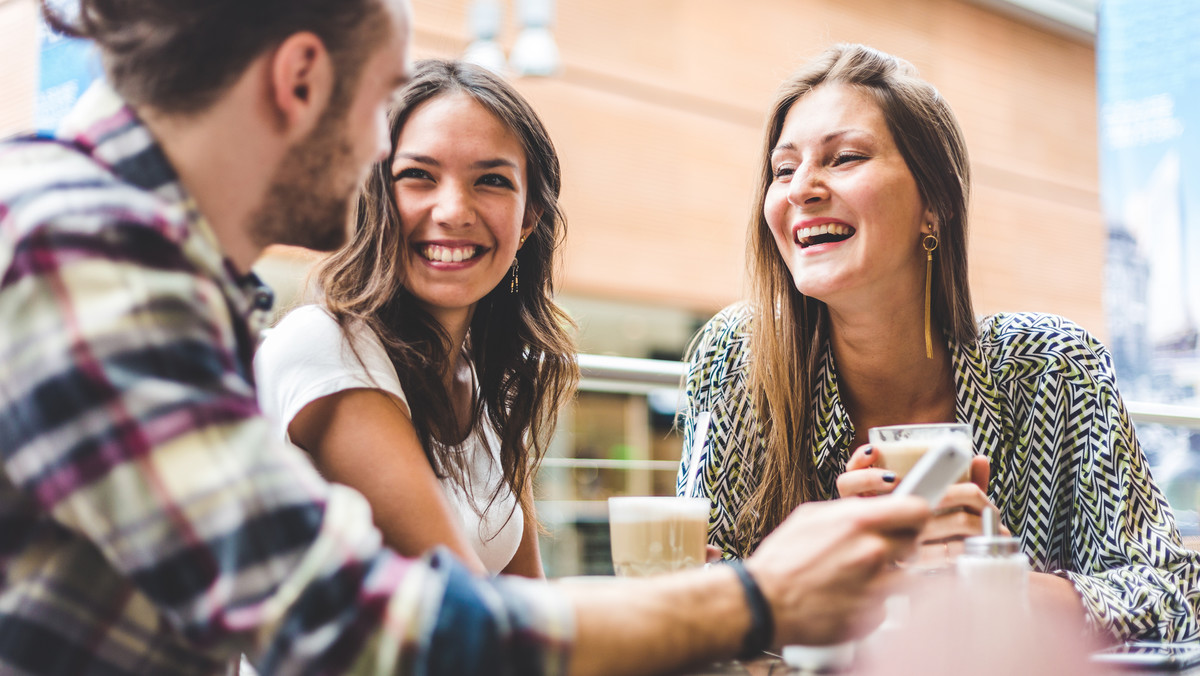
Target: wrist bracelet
pixel 762 625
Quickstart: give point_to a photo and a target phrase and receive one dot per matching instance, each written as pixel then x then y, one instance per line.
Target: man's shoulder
pixel 35 163
pixel 49 183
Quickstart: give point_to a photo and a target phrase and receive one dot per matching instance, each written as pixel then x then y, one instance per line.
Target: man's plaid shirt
pixel 150 522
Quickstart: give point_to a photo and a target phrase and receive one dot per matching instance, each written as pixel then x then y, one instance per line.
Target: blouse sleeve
pixel 1135 577
pixel 732 449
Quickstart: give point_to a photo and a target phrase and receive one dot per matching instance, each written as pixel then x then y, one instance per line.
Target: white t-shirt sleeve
pixel 306 357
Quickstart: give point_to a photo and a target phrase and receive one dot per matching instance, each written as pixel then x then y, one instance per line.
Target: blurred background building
pixel 1149 102
pixel 657 109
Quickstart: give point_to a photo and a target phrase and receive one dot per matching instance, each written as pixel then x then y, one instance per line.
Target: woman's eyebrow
pixel 417 157
pixel 493 163
pixel 827 138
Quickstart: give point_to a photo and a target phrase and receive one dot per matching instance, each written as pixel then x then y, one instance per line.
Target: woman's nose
pixel 453 208
pixel 807 186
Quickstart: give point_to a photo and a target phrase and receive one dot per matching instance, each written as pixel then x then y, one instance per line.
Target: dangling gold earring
pixel 929 244
pixel 512 288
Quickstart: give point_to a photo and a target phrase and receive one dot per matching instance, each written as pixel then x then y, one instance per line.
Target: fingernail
pixel 868 450
pixel 890 477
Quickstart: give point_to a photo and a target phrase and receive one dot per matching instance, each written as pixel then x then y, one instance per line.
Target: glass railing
pixel 618 439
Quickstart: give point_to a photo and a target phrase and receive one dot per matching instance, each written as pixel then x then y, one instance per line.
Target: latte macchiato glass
pixel 899 447
pixel 657 534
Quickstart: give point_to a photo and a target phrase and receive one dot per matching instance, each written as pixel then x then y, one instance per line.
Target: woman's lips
pixel 822 234
pixel 438 253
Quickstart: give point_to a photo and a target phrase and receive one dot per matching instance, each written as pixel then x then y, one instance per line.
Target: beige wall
pixel 658 116
pixel 658 111
pixel 18 64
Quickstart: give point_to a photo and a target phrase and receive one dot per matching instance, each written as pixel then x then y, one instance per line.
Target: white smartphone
pixel 940 467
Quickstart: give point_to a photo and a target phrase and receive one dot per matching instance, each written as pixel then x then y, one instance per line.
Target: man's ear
pixel 302 80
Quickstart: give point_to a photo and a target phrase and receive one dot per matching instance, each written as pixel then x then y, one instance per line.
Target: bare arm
pixel 364 439
pixel 1056 599
pixel 528 559
pixel 825 572
pixel 654 625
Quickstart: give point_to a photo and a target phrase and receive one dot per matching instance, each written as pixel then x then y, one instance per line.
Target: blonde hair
pixel 789 330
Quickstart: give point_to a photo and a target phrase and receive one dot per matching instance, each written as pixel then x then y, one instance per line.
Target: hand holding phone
pixel 940 467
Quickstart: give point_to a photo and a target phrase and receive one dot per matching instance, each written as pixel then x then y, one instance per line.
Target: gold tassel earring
pixel 929 244
pixel 512 288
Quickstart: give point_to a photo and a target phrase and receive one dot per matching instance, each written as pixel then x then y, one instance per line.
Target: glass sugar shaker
pixel 993 565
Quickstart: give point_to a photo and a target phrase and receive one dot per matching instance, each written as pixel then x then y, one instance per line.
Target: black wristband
pixel 762 624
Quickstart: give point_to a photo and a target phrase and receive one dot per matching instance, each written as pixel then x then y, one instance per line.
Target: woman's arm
pixel 732 445
pixel 364 439
pixel 1078 488
pixel 1056 601
pixel 527 561
pixel 1128 566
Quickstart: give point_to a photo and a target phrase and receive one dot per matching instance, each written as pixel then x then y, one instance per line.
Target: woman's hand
pixel 712 554
pixel 862 478
pixel 958 516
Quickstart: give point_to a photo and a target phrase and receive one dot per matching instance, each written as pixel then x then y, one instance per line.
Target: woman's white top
pixel 306 357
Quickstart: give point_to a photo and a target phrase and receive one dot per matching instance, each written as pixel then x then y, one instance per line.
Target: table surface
pixel 774 666
pixel 765 666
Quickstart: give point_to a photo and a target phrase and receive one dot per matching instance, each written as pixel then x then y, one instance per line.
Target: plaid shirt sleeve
pixel 137 460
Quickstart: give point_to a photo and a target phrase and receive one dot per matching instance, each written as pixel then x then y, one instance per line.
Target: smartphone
pixel 940 467
pixel 1149 656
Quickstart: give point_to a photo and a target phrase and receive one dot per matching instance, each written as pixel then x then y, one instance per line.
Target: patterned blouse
pixel 1068 474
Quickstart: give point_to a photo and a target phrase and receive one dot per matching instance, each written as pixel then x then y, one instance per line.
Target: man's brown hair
pixel 180 56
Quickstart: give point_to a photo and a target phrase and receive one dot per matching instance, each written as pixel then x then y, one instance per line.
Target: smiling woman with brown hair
pixel 430 374
pixel 861 316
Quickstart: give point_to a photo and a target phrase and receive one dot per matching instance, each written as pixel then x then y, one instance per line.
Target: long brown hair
pixel 178 57
pixel 790 329
pixel 519 342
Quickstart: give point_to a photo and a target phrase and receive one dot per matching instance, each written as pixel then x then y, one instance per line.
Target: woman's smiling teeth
pixel 449 254
pixel 827 232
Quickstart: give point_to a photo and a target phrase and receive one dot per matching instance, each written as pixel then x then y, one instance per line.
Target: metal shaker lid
pixel 991 543
pixel 997 546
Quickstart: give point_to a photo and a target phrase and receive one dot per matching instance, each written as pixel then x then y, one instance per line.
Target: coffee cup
pixel 899 447
pixel 657 534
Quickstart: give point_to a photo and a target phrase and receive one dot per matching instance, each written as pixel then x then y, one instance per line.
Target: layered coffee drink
pixel 657 534
pixel 899 447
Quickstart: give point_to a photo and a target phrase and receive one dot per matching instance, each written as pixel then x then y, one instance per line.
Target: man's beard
pixel 305 204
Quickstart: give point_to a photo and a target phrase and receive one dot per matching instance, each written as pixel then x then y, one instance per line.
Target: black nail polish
pixel 868 450
pixel 890 477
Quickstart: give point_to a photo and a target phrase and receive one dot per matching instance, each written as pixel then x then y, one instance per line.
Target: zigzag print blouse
pixel 1068 474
